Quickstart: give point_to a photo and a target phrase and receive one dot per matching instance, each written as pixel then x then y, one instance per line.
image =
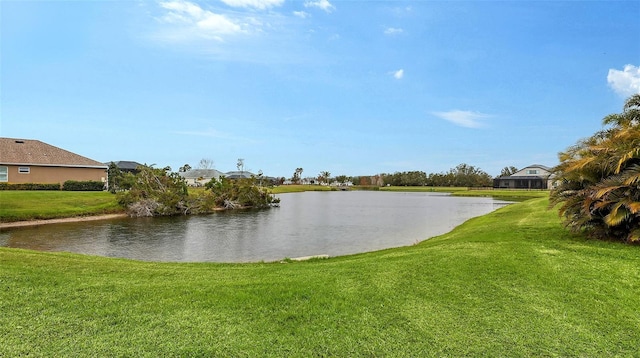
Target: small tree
pixel 231 194
pixel 297 176
pixel 508 171
pixel 155 192
pixel 114 177
pixel 598 179
pixel 324 177
pixel 342 179
pixel 205 163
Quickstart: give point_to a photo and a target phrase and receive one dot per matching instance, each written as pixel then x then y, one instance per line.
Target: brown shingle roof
pixel 35 152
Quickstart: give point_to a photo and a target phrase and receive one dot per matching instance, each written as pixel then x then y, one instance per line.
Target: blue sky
pixel 349 87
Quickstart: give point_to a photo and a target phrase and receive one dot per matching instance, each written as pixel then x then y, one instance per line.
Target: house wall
pixel 527 172
pixel 520 183
pixel 51 175
pixel 197 182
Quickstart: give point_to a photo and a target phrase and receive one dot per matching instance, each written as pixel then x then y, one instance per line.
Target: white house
pixel 199 177
pixel 535 176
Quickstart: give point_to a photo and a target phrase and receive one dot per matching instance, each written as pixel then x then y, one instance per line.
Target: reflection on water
pixel 310 223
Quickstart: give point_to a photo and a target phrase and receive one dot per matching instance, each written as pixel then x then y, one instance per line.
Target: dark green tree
pixel 508 171
pixel 411 178
pixel 342 179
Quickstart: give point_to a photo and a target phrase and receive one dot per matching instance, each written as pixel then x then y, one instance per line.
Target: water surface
pixel 309 223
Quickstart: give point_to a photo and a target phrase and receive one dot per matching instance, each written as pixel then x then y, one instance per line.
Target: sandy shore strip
pixel 61 220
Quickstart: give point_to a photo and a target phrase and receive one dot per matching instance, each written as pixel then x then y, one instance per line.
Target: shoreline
pixel 27 223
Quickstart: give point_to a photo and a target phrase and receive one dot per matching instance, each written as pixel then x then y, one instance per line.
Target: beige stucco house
pixel 32 161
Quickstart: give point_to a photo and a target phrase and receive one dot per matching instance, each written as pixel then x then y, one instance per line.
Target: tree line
pixel 464 175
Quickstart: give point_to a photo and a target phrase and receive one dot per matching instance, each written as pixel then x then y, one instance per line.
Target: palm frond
pixel 634 235
pixel 633 153
pixel 617 215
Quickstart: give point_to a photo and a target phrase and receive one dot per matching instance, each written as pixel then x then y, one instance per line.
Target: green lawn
pixel 511 195
pixel 29 205
pixel 297 188
pixel 511 283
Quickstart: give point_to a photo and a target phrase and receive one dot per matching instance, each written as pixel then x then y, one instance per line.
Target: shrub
pixel 90 185
pixel 599 179
pixel 29 186
pixel 155 192
pixel 231 194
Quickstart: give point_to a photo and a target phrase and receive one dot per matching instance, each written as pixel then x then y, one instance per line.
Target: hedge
pixel 29 186
pixel 90 185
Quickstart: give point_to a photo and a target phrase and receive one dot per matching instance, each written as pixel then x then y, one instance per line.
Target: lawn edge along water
pixel 23 205
pixel 510 283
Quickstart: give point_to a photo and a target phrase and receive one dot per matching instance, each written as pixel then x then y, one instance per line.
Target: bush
pixel 89 185
pixel 29 186
pixel 240 193
pixel 598 179
pixel 155 192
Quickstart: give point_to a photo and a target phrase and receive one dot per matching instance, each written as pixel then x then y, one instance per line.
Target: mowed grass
pixel 298 188
pixel 33 205
pixel 512 283
pixel 512 195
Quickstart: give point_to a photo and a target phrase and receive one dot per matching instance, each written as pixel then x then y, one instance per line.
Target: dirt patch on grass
pixel 61 220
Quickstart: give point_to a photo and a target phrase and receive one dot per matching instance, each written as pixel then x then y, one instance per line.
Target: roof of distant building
pixel 238 174
pixel 126 165
pixel 201 173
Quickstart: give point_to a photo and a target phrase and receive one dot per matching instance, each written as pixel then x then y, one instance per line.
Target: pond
pixel 305 224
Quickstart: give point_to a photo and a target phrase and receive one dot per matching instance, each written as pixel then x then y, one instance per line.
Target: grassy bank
pixel 512 283
pixel 512 195
pixel 34 205
pixel 299 188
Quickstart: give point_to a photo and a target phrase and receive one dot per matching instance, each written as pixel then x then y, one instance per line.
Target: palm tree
pixel 324 177
pixel 297 175
pixel 599 177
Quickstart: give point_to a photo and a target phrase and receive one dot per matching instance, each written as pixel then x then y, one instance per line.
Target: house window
pixel 24 170
pixel 532 171
pixel 4 174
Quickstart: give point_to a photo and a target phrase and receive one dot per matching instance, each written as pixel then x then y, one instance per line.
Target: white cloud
pixel 398 74
pixel 258 4
pixel 301 14
pixel 320 4
pixel 625 82
pixel 466 119
pixel 197 21
pixel 393 31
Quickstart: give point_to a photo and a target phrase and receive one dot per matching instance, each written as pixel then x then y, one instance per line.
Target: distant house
pixel 532 177
pixel 239 175
pixel 126 166
pixel 199 177
pixel 309 181
pixel 32 161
